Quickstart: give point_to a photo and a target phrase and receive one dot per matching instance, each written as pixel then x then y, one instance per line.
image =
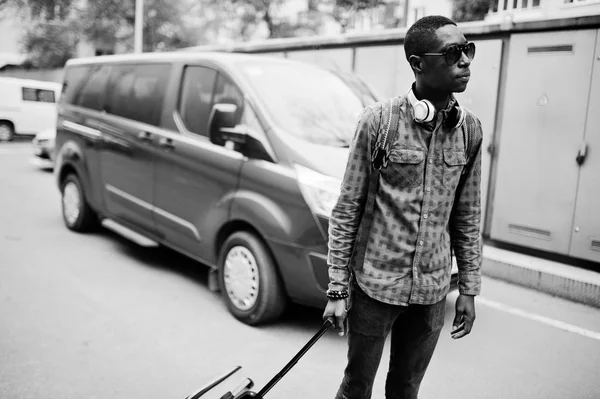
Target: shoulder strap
pixel 386 133
pixel 469 133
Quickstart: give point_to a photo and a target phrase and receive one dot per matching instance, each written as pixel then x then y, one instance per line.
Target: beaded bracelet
pixel 337 294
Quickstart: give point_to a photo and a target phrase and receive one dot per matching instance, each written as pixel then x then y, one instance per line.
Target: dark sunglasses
pixel 453 54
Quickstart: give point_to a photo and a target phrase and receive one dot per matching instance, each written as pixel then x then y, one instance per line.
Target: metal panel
pixel 340 59
pixel 542 127
pixel 481 98
pixel 585 242
pixel 385 68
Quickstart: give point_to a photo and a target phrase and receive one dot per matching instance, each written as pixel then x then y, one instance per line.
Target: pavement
pixel 554 278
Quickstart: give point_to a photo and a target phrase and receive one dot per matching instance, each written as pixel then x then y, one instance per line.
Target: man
pixel 394 274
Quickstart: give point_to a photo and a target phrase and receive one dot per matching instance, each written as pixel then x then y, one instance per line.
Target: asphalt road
pixel 95 316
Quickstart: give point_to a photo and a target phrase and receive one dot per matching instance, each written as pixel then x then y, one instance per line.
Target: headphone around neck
pixel 424 112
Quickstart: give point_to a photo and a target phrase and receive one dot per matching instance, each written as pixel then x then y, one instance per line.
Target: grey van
pixel 232 159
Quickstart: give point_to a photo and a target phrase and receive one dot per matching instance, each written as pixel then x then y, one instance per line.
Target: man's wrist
pixel 337 294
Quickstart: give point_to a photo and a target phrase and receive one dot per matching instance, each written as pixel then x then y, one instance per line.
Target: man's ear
pixel 416 63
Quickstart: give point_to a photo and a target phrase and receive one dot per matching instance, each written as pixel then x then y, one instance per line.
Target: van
pixel 234 160
pixel 27 106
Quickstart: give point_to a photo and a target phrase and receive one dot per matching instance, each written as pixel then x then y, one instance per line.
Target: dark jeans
pixel 415 331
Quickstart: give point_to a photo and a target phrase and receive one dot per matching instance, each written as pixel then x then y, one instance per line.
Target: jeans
pixel 415 331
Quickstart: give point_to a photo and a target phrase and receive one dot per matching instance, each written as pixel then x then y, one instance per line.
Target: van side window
pixel 258 141
pixel 75 77
pixel 227 93
pixel 92 92
pixel 195 98
pixel 137 91
pixel 38 95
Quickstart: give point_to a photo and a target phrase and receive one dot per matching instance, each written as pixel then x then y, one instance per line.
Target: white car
pixel 43 148
pixel 27 106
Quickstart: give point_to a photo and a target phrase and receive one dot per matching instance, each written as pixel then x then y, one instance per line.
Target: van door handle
pixel 145 136
pixel 581 154
pixel 166 143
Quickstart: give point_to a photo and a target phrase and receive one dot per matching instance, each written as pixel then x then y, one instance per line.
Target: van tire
pixel 7 131
pixel 76 212
pixel 252 267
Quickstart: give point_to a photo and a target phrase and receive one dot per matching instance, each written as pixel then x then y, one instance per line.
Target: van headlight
pixel 320 191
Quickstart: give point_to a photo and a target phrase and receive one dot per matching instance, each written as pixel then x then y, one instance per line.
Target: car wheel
pixel 248 279
pixel 77 214
pixel 6 131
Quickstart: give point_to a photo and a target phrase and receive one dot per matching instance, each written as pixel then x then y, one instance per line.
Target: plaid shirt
pixel 419 212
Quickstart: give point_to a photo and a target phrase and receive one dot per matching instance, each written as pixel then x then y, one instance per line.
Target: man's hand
pixel 337 310
pixel 465 316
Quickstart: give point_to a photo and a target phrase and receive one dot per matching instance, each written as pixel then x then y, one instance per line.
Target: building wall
pixel 528 10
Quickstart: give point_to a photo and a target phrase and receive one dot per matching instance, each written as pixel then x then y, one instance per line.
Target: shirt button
pixel 428 189
pixel 425 216
pixel 421 242
pixel 431 161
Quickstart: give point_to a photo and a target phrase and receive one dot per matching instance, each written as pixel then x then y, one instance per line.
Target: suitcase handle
pixel 326 325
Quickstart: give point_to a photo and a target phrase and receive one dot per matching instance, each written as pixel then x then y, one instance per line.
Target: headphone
pixel 424 112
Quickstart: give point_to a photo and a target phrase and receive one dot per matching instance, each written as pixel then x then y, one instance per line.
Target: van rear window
pixel 75 77
pixel 38 95
pixel 94 88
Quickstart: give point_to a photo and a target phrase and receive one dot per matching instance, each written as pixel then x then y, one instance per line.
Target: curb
pixel 565 281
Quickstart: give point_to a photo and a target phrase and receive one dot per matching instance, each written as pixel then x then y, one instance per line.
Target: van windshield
pixel 309 102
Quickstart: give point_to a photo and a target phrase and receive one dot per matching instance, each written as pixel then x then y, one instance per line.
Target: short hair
pixel 420 36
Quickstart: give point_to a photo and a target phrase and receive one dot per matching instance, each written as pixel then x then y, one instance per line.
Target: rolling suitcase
pixel 232 385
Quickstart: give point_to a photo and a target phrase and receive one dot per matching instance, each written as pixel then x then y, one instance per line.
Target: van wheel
pixel 77 214
pixel 6 131
pixel 248 279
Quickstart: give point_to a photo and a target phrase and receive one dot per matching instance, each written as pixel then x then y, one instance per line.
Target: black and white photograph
pixel 320 199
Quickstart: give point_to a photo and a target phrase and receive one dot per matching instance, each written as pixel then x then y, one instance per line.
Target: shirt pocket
pixel 405 169
pixel 454 163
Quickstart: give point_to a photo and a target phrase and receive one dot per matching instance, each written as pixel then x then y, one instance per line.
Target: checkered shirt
pixel 428 200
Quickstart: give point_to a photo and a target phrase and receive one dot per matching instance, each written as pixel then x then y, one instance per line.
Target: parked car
pixel 43 148
pixel 234 160
pixel 27 106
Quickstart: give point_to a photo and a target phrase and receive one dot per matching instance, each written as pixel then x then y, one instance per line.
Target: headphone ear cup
pixel 424 111
pixel 455 117
pixel 451 118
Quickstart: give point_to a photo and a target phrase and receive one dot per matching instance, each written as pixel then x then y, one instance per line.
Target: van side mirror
pixel 223 125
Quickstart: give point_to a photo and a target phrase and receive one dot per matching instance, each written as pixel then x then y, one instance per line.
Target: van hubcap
pixel 241 277
pixel 71 202
pixel 5 133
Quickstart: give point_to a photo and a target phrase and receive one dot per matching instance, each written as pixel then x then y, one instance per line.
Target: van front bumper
pixel 304 271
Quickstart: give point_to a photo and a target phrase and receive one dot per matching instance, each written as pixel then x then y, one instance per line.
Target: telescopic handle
pixel 326 325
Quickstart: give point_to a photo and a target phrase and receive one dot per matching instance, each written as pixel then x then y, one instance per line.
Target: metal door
pixel 127 169
pixel 542 126
pixel 127 162
pixel 585 242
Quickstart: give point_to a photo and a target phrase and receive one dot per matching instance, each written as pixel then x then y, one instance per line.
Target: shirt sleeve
pixel 465 222
pixel 347 213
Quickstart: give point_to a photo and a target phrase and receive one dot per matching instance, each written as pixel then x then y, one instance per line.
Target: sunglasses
pixel 453 54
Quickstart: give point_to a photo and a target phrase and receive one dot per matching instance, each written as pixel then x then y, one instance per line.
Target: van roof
pixel 31 82
pixel 173 56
